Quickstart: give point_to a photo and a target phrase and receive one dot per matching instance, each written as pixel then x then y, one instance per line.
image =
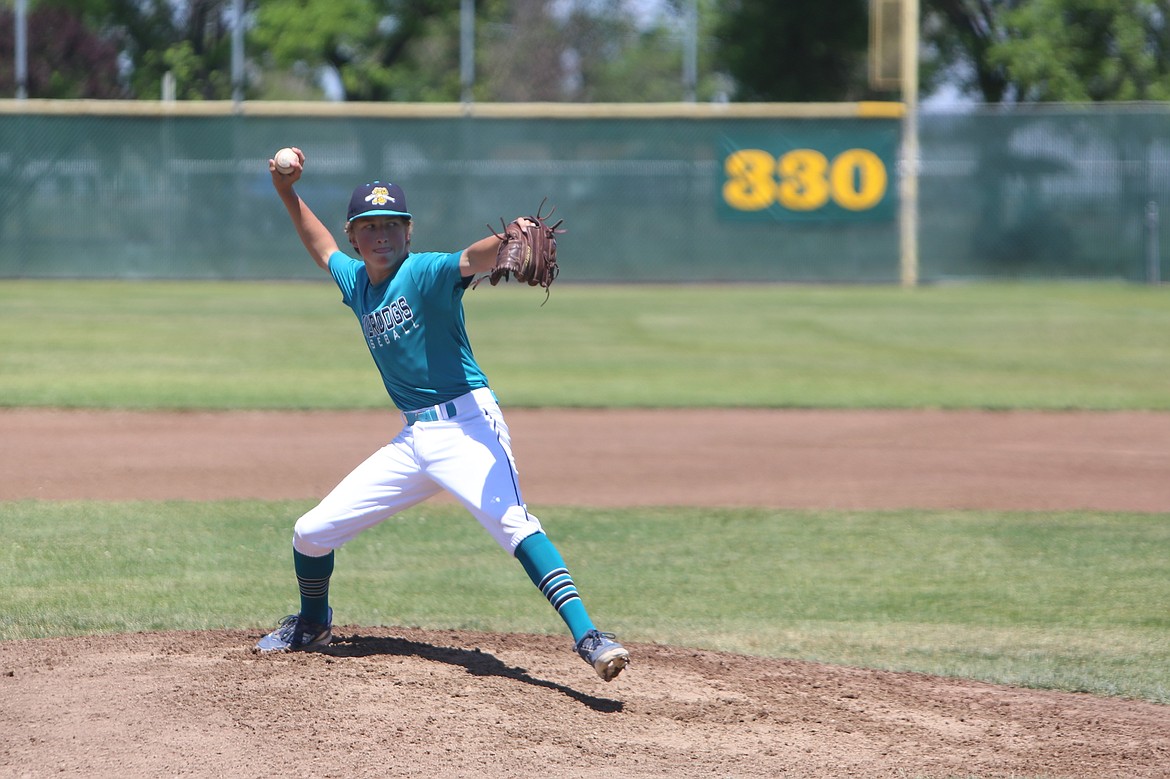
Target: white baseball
pixel 285 159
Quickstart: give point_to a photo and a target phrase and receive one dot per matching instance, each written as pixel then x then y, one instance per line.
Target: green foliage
pixel 281 345
pixel 1070 601
pixel 66 58
pixel 1087 50
pixel 589 52
pixel 645 70
pixel 518 54
pixel 192 37
pixel 192 79
pixel 1049 50
pixel 794 52
pixel 368 43
pixel 400 50
pixel 408 50
pixel 957 35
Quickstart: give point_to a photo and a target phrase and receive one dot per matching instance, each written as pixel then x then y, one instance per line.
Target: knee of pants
pixel 515 525
pixel 310 537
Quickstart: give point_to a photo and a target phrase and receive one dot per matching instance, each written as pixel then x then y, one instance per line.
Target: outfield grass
pixel 1071 601
pixel 293 345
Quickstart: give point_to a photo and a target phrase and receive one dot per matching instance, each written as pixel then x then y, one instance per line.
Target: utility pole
pixel 691 51
pixel 908 221
pixel 467 48
pixel 237 53
pixel 21 49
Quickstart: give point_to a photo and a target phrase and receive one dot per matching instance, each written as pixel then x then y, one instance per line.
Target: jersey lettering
pixel 387 318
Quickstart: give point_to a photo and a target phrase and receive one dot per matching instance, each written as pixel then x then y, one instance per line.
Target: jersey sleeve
pixel 344 270
pixel 441 270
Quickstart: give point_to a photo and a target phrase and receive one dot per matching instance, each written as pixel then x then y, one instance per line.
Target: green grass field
pixel 293 345
pixel 1071 601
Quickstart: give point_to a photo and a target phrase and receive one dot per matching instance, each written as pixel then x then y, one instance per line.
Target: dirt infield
pixel 391 702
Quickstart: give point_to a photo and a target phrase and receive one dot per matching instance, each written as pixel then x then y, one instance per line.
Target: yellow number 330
pixel 804 180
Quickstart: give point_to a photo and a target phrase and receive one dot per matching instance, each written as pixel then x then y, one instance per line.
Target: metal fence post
pixel 1153 250
pixel 21 63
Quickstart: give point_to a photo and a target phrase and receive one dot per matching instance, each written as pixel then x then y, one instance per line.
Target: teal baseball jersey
pixel 414 326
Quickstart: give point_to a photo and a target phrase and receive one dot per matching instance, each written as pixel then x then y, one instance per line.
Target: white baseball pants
pixel 462 447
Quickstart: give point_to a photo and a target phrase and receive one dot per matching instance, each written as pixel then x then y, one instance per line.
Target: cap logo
pixel 379 196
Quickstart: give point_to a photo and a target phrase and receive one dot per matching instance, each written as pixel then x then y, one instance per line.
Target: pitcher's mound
pixel 394 702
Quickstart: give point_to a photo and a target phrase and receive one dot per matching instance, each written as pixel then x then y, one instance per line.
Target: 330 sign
pixel 804 180
pixel 809 181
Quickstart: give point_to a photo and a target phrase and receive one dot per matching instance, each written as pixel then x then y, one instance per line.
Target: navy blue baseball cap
pixel 377 199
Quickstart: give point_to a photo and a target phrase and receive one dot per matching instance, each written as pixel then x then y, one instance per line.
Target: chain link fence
pixel 666 193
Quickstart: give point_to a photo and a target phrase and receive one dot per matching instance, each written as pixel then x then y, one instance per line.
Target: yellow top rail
pixel 305 109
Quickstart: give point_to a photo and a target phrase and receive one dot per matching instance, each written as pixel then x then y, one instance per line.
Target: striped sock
pixel 313 575
pixel 545 567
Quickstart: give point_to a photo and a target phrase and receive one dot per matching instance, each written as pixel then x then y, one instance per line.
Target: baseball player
pixel 453 437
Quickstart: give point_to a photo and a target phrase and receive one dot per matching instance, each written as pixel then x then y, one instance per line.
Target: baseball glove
pixel 528 251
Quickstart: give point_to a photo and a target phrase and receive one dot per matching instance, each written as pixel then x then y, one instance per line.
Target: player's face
pixel 382 241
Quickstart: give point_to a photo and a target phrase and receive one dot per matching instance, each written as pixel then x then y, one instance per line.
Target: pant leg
pixel 389 481
pixel 470 456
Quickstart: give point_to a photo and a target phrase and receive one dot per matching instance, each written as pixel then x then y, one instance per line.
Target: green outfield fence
pixel 657 192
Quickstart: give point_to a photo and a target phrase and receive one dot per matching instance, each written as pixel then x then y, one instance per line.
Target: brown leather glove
pixel 528 251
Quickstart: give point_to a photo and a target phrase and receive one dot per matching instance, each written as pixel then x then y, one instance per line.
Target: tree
pixel 380 50
pixel 958 34
pixel 526 50
pixel 1049 50
pixel 623 59
pixel 191 39
pixel 521 57
pixel 1087 50
pixel 794 51
pixel 587 52
pixel 66 58
pixel 647 67
pixel 400 50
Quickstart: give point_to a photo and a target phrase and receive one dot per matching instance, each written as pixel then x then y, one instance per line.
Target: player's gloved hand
pixel 528 251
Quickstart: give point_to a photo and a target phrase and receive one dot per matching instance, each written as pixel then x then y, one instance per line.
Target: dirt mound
pixel 415 703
